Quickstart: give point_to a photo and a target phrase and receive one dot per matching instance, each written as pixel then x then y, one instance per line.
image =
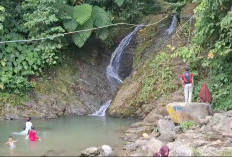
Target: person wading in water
pixel 187 78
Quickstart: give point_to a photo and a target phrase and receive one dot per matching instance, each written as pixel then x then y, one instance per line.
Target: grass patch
pixel 187 125
pixel 196 152
pixel 227 152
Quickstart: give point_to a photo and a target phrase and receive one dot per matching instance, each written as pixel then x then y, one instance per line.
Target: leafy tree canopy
pixel 32 19
pixel 210 54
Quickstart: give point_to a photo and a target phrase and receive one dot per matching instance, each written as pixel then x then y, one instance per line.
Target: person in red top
pixel 187 78
pixel 33 135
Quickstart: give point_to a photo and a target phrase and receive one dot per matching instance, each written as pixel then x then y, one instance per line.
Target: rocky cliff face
pixel 76 87
pixel 155 73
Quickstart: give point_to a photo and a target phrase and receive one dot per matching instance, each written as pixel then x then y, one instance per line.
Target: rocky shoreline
pixel 206 135
pixel 209 137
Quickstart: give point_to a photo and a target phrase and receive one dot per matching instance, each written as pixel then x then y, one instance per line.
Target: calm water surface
pixel 63 136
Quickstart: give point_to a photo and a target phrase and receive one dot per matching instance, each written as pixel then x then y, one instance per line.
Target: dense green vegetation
pixel 210 53
pixel 32 19
pixel 153 87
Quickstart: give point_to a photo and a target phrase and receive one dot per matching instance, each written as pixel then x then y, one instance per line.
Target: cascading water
pixel 112 70
pixel 173 26
pixel 102 111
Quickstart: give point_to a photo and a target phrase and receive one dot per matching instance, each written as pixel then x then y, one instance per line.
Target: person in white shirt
pixel 28 126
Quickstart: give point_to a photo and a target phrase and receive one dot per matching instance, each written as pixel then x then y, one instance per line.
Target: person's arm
pixel 7 143
pixel 37 138
pixel 16 141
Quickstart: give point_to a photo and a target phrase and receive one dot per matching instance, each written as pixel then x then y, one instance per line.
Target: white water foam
pixel 102 111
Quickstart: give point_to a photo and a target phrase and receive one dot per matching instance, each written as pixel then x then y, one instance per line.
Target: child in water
pixel 33 135
pixel 11 142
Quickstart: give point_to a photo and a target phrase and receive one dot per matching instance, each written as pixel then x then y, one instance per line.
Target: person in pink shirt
pixel 33 135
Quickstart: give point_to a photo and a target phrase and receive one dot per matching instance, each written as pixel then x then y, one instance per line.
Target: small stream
pixel 63 136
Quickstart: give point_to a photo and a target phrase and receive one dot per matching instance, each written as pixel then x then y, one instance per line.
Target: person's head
pixel 187 69
pixel 164 151
pixel 10 138
pixel 32 128
pixel 28 119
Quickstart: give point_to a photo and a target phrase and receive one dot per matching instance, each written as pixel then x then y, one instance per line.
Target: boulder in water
pixel 92 151
pixel 180 111
pixel 104 150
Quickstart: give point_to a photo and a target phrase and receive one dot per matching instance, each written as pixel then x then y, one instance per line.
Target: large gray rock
pixel 152 117
pixel 165 126
pixel 139 130
pixel 220 122
pixel 167 138
pixel 152 146
pixel 133 146
pixel 166 129
pixel 180 111
pixel 92 151
pixel 180 150
pixel 130 137
pixel 106 150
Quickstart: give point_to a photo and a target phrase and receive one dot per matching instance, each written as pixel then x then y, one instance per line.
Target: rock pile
pixel 209 136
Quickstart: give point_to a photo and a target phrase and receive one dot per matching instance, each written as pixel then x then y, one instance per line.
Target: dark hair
pixel 29 119
pixel 10 137
pixel 33 128
pixel 187 69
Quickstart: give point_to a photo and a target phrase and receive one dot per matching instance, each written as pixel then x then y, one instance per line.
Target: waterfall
pixel 112 70
pixel 102 111
pixel 173 26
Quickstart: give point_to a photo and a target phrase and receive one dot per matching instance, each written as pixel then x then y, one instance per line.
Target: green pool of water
pixel 63 136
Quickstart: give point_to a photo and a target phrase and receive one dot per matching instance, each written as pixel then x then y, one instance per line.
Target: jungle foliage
pixel 210 53
pixel 32 19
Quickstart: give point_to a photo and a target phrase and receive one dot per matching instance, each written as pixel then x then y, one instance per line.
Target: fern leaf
pixel 70 25
pixel 80 38
pixel 82 13
pixel 100 17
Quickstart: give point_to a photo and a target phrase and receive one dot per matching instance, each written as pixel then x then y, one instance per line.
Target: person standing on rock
pixel 187 78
